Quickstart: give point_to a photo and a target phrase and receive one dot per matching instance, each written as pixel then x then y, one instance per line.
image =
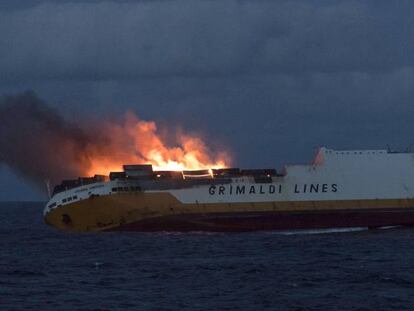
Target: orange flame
pixel 138 142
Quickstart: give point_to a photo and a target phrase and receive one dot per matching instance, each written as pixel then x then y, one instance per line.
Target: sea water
pixel 42 268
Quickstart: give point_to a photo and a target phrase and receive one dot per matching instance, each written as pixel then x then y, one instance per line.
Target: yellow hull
pixel 118 211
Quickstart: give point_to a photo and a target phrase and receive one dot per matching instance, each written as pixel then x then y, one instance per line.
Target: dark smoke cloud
pixel 38 143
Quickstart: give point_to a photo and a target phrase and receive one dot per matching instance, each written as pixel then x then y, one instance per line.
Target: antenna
pixel 47 182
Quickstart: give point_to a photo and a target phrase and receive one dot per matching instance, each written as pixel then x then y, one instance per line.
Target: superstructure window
pixel 64 200
pixel 114 189
pixel 52 205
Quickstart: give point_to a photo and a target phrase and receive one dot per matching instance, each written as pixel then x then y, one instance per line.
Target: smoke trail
pixel 39 144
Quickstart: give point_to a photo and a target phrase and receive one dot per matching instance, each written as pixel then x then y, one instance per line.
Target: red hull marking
pixel 238 222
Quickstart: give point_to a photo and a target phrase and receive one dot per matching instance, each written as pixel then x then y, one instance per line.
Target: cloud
pixel 111 40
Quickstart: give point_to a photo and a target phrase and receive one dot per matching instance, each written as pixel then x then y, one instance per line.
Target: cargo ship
pixel 338 189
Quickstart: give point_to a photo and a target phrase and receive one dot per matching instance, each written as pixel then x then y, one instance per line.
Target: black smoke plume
pixel 38 143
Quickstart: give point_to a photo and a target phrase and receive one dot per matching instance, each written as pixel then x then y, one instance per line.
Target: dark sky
pixel 272 79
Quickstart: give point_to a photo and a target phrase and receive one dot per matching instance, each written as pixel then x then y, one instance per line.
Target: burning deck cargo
pixel 355 188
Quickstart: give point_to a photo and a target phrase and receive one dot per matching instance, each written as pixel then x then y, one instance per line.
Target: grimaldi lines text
pixel 270 189
pixel 353 188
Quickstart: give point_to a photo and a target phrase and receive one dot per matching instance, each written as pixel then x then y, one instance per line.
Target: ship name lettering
pixel 240 189
pixel 315 188
pixel 271 189
pixel 221 189
pixel 212 190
